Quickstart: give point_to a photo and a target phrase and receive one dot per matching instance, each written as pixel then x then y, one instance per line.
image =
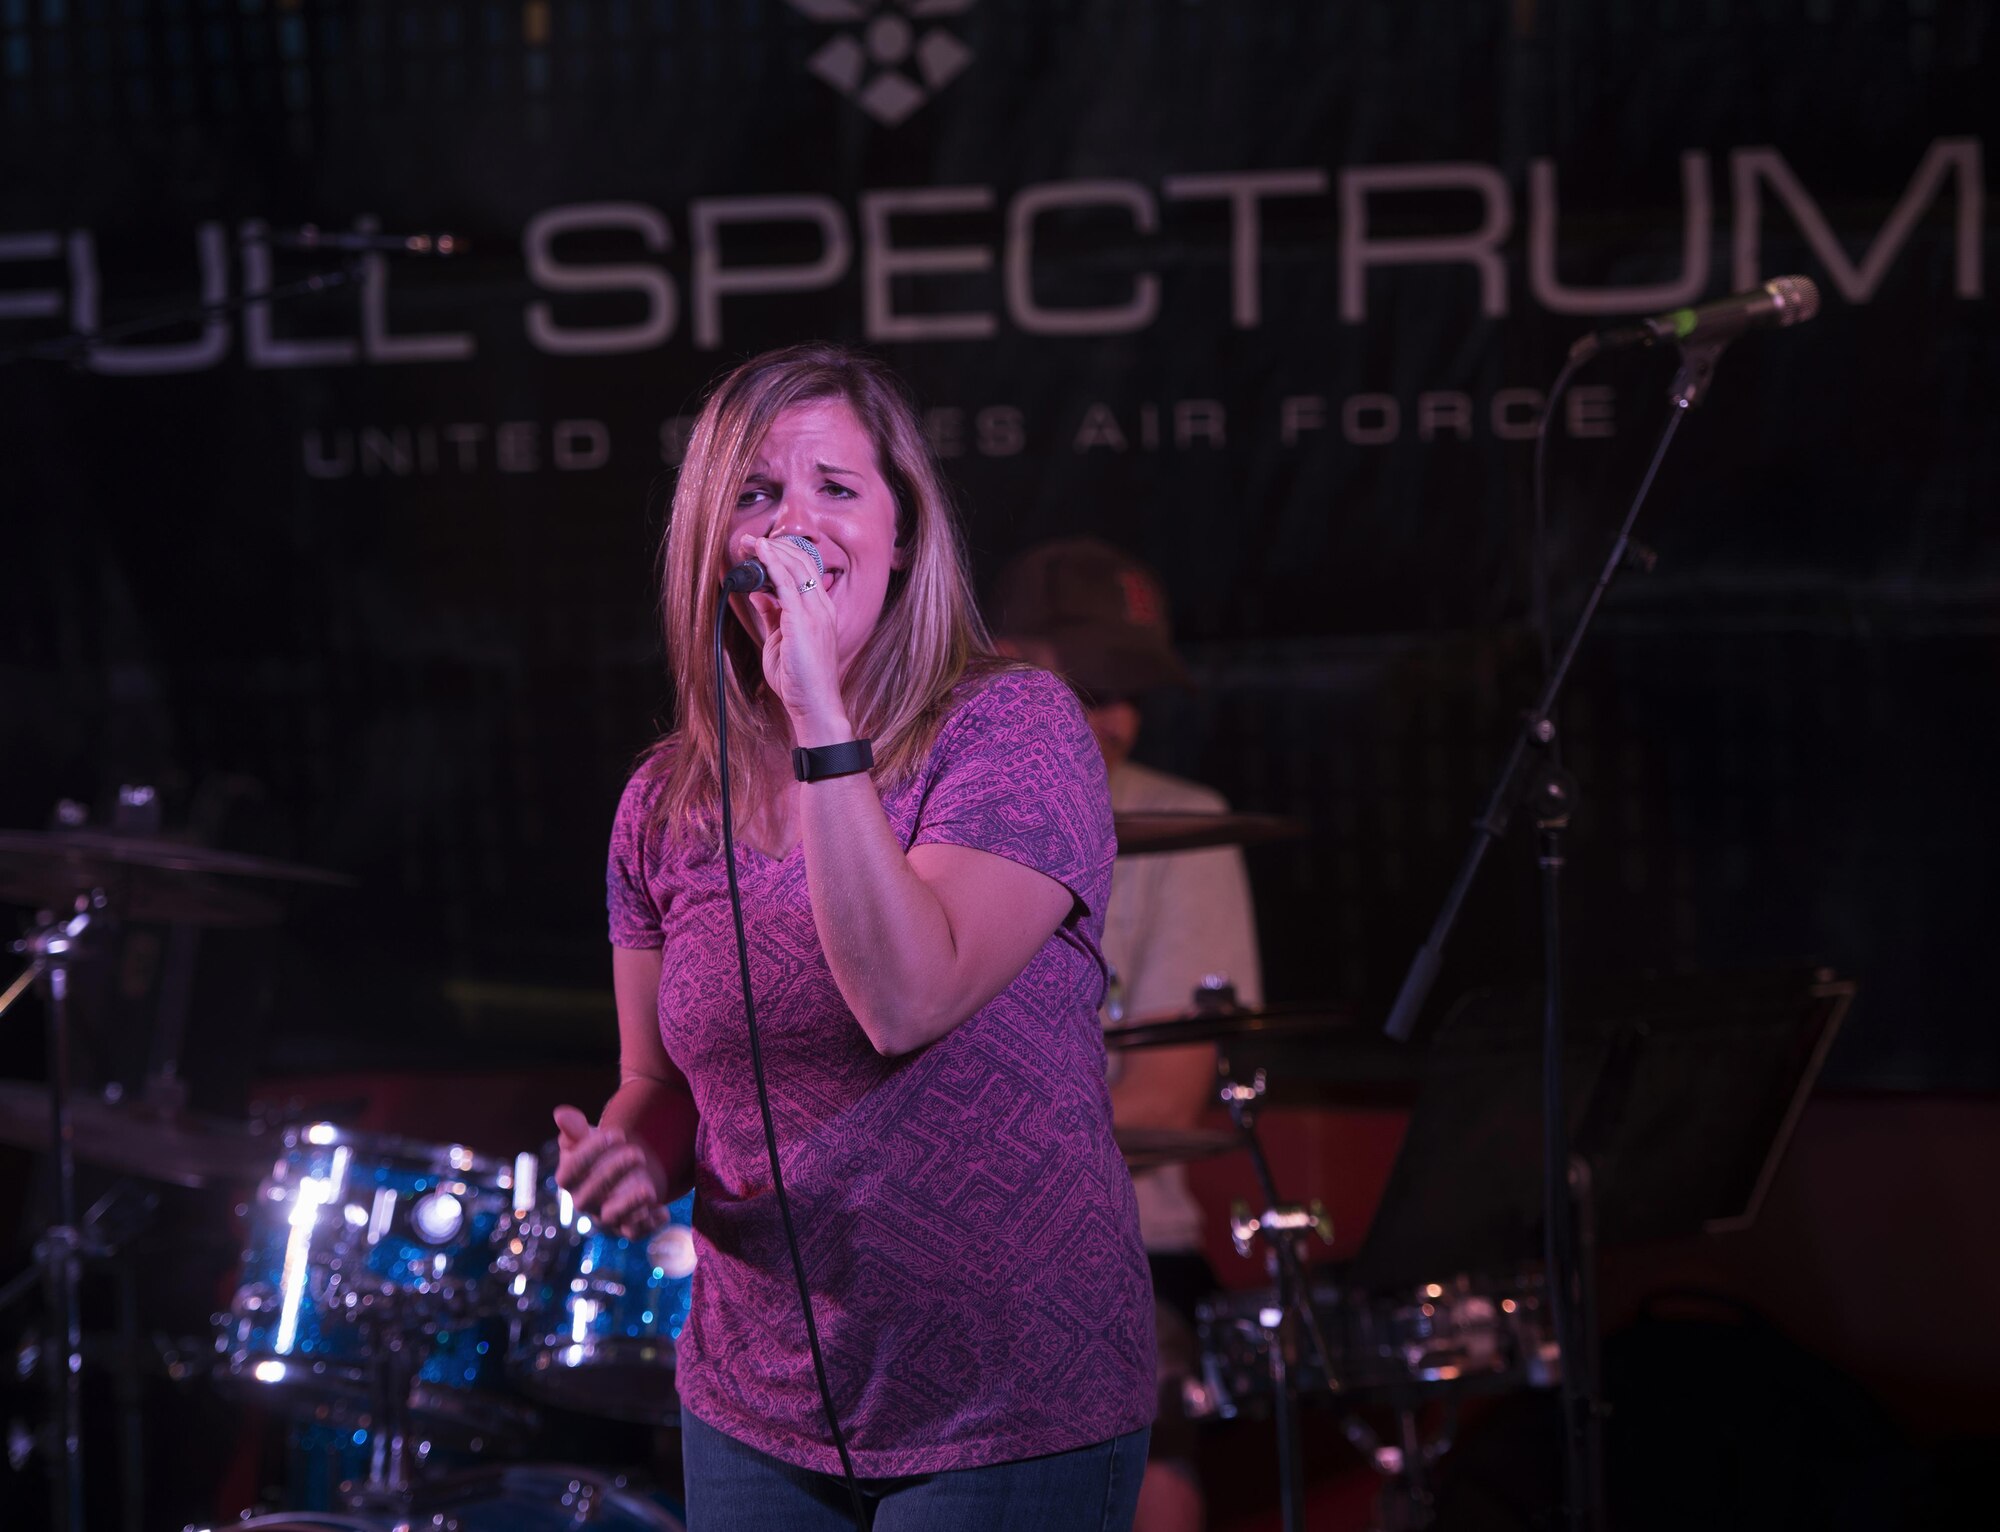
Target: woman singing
pixel 924 962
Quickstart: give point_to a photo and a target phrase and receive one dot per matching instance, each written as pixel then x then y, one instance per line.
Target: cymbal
pixel 1281 1023
pixel 145 877
pixel 182 1148
pixel 1313 1055
pixel 1150 1148
pixel 1142 832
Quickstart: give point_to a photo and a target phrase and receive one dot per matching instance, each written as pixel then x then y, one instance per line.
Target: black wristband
pixel 815 763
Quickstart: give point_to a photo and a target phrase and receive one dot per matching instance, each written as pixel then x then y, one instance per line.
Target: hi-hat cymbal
pixel 145 877
pixel 1144 831
pixel 182 1148
pixel 1150 1148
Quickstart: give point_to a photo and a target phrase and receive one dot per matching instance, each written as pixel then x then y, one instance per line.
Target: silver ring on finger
pixel 811 584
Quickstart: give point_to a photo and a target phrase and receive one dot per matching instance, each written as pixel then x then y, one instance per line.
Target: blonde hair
pixel 929 633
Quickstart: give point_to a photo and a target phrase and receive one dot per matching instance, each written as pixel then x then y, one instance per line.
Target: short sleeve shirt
pixel 968 1227
pixel 1175 919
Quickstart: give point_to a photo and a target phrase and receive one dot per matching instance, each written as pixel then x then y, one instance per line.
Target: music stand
pixel 1682 1094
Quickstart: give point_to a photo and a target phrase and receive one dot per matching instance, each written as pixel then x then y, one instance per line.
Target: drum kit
pixel 420 1304
pixel 1302 1342
pixel 427 1298
pixel 411 1303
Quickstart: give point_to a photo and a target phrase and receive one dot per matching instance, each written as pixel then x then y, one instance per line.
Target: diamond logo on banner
pixel 887 58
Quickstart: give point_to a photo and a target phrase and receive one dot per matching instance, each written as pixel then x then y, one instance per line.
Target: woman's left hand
pixel 801 639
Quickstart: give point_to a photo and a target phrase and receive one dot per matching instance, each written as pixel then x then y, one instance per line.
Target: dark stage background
pixel 1266 293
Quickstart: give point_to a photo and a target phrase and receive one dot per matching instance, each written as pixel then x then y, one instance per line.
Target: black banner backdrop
pixel 1267 293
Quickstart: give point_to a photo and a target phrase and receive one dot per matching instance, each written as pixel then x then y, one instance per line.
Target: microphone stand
pixel 73 348
pixel 1532 775
pixel 355 249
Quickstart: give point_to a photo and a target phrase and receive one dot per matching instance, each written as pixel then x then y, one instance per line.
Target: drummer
pixel 1174 921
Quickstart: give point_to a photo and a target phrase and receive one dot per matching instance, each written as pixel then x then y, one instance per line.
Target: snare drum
pixel 596 1315
pixel 1467 1331
pixel 1237 1332
pixel 1465 1334
pixel 357 1237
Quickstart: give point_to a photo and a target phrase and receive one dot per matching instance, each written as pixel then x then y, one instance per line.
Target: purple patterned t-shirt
pixel 967 1225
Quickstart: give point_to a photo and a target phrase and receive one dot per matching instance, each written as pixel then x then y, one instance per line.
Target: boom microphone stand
pixel 358 251
pixel 1532 776
pixel 52 946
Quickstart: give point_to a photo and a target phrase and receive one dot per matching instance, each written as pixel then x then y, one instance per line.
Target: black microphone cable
pixel 757 1068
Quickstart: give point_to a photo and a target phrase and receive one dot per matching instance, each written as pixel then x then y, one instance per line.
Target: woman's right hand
pixel 801 640
pixel 610 1175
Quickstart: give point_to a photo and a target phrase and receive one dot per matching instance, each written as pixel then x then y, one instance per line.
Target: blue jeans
pixel 734 1488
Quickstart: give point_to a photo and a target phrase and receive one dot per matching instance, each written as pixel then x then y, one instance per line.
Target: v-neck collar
pixel 744 844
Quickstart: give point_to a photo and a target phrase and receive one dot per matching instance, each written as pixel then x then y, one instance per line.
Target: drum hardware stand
pixel 397 1353
pixel 50 949
pixel 1284 1229
pixel 1532 774
pixel 110 1224
pixel 399 1329
pixel 100 1237
pixel 1406 1502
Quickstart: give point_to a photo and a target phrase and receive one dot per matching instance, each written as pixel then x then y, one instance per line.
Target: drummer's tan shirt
pixel 1172 920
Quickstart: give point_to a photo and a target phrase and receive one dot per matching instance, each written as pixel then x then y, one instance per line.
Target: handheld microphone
pixel 1779 302
pixel 311 237
pixel 749 575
